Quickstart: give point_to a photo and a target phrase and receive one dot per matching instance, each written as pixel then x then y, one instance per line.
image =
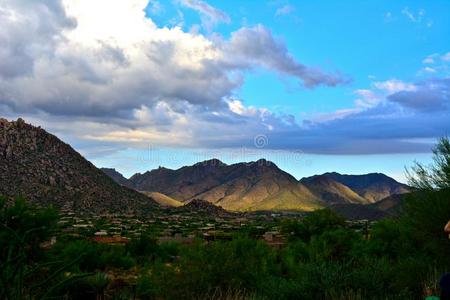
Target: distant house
pixel 81 225
pixel 101 233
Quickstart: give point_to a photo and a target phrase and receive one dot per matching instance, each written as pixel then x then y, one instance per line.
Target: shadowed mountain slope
pixel 331 191
pixel 117 177
pixel 373 187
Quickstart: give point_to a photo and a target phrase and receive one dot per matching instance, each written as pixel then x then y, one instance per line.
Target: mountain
pixel 332 192
pixel 373 187
pixel 117 177
pixel 43 169
pixel 259 185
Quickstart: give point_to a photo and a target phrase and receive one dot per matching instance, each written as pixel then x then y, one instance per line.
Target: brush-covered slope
pixel 373 187
pixel 259 185
pixel 45 170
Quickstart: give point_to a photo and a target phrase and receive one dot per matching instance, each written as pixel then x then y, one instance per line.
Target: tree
pixel 428 210
pixel 313 224
pixel 24 274
pixel 436 175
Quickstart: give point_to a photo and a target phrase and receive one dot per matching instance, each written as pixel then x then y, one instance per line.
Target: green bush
pixel 202 269
pixel 93 256
pixel 313 224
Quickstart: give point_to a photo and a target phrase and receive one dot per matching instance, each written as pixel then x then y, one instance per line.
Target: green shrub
pixel 94 256
pixel 313 224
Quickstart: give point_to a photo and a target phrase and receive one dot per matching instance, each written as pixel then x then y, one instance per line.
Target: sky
pixel 315 86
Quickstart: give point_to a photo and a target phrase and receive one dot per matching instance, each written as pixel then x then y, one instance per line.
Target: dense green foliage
pixel 25 270
pixel 324 258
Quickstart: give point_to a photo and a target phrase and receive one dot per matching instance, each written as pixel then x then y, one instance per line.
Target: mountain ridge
pixel 371 186
pixel 261 185
pixel 235 187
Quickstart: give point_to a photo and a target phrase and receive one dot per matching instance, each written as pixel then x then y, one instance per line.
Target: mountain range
pixel 43 169
pixel 259 185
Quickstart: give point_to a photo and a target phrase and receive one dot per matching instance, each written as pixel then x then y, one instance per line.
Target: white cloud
pixel 394 85
pixel 367 98
pixel 284 10
pixel 155 7
pixel 335 115
pixel 430 59
pixel 120 80
pixel 387 16
pixel 257 46
pixel 446 57
pixel 429 70
pixel 237 107
pixel 210 15
pixel 412 16
pixel 417 17
pixel 105 66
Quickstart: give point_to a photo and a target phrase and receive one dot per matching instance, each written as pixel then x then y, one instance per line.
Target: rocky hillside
pixel 45 170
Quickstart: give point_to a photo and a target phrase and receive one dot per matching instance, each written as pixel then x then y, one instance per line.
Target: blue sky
pixel 352 86
pixel 366 40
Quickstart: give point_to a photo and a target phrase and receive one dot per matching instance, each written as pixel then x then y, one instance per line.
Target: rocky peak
pixel 210 163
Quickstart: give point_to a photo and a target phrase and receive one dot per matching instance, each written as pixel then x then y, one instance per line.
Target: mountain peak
pixel 210 163
pixel 262 162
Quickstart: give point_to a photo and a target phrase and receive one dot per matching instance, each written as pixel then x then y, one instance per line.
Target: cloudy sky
pixel 346 86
